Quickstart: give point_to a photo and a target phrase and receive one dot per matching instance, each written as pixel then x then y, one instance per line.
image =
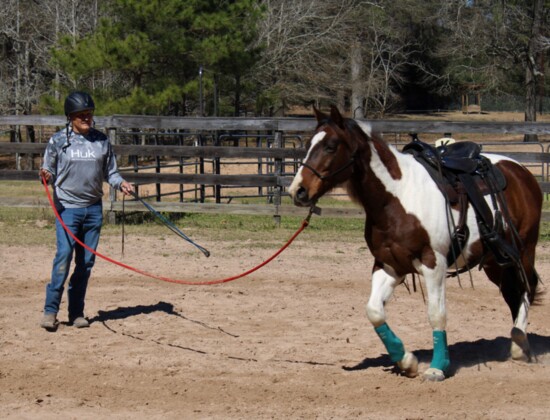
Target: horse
pixel 407 229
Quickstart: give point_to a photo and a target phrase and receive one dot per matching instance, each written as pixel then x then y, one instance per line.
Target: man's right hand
pixel 44 173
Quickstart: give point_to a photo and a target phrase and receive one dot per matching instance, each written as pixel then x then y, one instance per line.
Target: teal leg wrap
pixel 393 344
pixel 440 358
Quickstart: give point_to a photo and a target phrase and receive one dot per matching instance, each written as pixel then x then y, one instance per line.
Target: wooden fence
pixel 276 150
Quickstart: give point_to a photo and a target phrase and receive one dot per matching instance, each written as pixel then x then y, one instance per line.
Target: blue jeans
pixel 85 224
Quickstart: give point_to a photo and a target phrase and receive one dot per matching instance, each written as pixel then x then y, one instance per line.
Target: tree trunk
pixel 238 95
pixel 532 73
pixel 357 96
pixel 216 99
pixel 57 78
pixel 17 88
pixel 341 99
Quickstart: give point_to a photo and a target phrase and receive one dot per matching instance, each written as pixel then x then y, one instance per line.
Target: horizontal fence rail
pixel 275 162
pixel 153 178
pixel 172 151
pixel 227 152
pixel 279 124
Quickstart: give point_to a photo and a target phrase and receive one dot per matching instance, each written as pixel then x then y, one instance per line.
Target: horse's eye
pixel 330 147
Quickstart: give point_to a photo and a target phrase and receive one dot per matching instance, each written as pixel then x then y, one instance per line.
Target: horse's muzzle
pixel 301 198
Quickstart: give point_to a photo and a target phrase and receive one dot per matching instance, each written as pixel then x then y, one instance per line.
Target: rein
pixel 305 223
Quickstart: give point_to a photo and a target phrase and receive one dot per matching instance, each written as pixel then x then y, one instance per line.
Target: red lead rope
pixel 305 223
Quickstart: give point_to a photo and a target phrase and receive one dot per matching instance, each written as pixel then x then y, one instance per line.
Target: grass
pixel 544 233
pixel 34 226
pixel 256 230
pixel 22 188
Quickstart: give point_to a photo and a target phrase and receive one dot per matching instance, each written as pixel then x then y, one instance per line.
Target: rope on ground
pixel 305 223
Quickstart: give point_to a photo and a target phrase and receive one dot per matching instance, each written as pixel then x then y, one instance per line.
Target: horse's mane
pixel 360 137
pixel 351 124
pixel 359 134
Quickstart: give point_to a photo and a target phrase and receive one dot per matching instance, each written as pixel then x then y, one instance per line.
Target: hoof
pixel 434 375
pixel 408 365
pixel 520 349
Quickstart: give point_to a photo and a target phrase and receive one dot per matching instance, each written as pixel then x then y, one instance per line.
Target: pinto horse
pixel 407 229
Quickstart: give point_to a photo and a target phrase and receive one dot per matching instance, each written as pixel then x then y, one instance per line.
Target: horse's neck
pixel 388 155
pixel 385 160
pixel 382 166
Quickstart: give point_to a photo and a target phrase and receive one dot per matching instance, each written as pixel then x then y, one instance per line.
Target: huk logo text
pixel 79 154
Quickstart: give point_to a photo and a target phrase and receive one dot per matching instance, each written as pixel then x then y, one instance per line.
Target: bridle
pixel 336 172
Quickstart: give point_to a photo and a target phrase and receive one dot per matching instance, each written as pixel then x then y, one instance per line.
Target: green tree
pixel 148 53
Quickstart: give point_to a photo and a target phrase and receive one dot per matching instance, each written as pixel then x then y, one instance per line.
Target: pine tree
pixel 149 52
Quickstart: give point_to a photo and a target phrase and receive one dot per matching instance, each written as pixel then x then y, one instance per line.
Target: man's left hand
pixel 126 188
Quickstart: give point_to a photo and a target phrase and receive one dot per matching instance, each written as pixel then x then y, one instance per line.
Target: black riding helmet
pixel 78 102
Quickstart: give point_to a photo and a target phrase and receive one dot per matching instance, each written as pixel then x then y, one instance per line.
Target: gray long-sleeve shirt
pixel 80 165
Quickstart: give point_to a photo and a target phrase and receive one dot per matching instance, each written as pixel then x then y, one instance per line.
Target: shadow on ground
pixel 468 353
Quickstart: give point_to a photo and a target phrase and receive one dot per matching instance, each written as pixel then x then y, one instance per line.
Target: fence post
pixel 217 171
pixel 278 167
pixel 157 170
pixel 15 137
pixel 202 187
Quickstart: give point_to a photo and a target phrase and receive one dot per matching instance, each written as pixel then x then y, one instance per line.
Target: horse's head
pixel 329 161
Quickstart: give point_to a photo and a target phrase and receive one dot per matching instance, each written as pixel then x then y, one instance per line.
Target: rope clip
pixel 313 210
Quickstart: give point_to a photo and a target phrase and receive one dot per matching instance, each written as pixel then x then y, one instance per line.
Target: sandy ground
pixel 290 341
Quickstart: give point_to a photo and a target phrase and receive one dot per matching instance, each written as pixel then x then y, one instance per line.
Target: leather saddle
pixel 465 176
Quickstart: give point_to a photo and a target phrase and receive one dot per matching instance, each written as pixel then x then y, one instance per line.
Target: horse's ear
pixel 336 117
pixel 320 116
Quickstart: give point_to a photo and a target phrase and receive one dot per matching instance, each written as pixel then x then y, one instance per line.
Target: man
pixel 77 161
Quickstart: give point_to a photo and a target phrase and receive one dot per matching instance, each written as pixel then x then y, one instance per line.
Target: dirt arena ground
pixel 290 341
